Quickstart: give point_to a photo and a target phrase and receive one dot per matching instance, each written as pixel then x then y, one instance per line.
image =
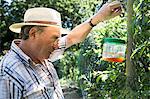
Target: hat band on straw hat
pixel 42 22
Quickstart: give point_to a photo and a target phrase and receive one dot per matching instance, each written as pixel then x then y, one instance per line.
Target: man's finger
pixel 117 12
pixel 114 4
pixel 116 9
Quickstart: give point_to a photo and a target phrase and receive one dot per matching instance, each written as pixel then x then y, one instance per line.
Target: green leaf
pixel 98 79
pixel 136 50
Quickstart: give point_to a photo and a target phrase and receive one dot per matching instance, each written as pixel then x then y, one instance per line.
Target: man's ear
pixel 32 32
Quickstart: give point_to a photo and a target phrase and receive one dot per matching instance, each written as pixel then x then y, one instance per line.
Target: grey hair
pixel 25 31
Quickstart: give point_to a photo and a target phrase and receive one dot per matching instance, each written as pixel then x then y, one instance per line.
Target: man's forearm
pixel 80 32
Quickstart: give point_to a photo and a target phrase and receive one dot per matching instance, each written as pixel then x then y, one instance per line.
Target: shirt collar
pixel 18 51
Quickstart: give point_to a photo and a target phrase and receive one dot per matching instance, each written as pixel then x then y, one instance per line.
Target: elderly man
pixel 26 71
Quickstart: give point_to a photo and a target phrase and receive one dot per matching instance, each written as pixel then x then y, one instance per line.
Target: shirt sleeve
pixel 58 53
pixel 8 89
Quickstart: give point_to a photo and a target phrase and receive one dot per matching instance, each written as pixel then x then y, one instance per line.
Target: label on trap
pixel 113 50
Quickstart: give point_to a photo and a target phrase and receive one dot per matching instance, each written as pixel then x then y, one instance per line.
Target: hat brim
pixel 17 27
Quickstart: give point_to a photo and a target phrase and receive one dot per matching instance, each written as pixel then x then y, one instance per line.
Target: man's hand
pixel 107 11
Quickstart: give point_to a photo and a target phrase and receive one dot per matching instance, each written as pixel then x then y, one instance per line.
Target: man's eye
pixel 63 35
pixel 56 37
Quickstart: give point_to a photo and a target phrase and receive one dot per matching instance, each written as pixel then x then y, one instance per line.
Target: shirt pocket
pixel 38 92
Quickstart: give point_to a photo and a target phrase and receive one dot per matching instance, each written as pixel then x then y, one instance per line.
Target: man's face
pixel 47 40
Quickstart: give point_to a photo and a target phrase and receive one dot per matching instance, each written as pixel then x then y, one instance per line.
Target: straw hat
pixel 41 17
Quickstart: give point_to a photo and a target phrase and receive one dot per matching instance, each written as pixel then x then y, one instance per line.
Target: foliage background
pixel 82 63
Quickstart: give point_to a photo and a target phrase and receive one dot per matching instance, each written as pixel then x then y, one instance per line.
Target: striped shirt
pixel 20 78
